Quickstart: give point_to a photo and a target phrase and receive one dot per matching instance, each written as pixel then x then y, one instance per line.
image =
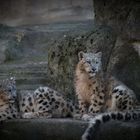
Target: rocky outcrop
pixel 122 16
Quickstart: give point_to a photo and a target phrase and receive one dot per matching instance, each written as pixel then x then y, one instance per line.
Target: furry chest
pixel 85 92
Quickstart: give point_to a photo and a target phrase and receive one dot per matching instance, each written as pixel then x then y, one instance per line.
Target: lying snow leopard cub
pixel 43 103
pixel 8 102
pixel 46 103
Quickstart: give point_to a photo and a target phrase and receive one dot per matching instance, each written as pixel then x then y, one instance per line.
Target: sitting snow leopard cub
pixel 98 93
pixel 89 83
pixel 8 102
pixel 46 103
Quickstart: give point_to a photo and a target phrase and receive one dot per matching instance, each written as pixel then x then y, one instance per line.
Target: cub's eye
pixel 96 62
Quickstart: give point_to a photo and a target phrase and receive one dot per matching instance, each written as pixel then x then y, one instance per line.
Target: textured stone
pixel 41 129
pixel 123 16
pixel 23 12
pixel 66 129
pixel 119 131
pixel 3 45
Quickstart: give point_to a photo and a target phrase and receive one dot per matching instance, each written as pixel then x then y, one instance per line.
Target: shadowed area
pixel 66 129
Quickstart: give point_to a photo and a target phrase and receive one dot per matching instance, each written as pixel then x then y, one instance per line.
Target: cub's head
pixel 8 90
pixel 91 62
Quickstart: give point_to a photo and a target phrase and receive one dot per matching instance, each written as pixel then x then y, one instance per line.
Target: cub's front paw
pixel 28 115
pixel 77 116
pixel 87 117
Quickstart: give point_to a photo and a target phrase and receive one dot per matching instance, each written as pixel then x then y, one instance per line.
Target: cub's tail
pixel 105 117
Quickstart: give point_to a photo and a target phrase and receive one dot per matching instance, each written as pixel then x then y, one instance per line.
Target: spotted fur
pixel 97 92
pixel 8 102
pixel 122 98
pixel 95 122
pixel 46 103
pixel 89 83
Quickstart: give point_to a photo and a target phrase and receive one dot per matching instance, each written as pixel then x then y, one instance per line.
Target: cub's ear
pixel 80 55
pixel 99 54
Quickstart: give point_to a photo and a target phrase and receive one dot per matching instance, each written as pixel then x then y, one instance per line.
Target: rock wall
pixel 23 12
pixel 123 16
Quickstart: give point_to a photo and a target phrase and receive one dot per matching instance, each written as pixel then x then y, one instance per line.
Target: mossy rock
pixel 103 39
pixel 13 51
pixel 62 58
pixel 125 65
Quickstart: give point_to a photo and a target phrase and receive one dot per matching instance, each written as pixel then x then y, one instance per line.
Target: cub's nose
pixel 14 97
pixel 93 69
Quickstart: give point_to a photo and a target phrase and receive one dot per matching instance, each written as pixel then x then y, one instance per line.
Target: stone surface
pixel 119 131
pixel 123 16
pixel 23 12
pixel 137 47
pixel 3 45
pixel 39 129
pixel 66 129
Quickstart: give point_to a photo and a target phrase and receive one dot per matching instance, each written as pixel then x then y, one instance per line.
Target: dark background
pixel 20 12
